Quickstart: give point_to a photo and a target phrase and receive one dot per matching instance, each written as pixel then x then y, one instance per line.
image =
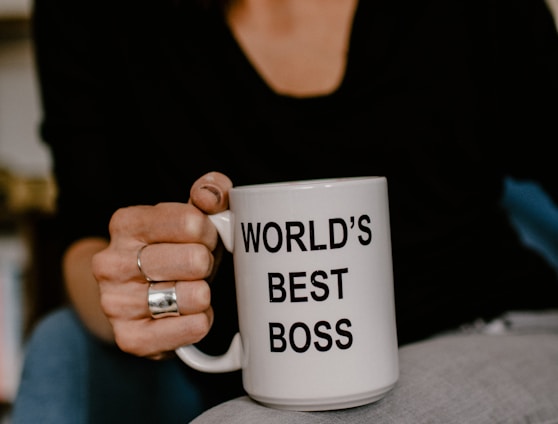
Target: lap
pixel 52 357
pixel 474 378
pixel 71 377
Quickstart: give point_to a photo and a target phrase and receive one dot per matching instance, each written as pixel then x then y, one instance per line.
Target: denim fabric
pixel 71 378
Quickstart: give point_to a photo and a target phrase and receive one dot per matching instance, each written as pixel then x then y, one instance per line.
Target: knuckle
pixel 127 343
pixel 199 326
pixel 106 265
pixel 109 305
pixel 198 260
pixel 192 223
pixel 97 266
pixel 127 219
pixel 118 219
pixel 203 295
pixel 130 341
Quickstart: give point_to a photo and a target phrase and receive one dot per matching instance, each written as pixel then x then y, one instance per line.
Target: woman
pixel 142 100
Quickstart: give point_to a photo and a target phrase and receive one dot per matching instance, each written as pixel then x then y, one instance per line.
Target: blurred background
pixel 27 190
pixel 27 193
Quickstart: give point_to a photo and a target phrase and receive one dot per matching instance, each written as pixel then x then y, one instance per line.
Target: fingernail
pixel 214 190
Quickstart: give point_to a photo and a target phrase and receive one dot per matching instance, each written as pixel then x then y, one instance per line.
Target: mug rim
pixel 308 184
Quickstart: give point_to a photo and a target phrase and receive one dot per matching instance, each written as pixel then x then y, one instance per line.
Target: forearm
pixel 82 287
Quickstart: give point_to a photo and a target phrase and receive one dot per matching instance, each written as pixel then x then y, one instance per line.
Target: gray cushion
pixel 473 379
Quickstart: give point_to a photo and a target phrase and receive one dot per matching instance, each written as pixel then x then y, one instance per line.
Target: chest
pixel 298 48
pixel 404 95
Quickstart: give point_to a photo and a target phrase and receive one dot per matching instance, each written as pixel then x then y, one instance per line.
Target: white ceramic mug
pixel 314 282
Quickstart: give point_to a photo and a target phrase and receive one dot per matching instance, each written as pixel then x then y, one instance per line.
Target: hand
pixel 180 250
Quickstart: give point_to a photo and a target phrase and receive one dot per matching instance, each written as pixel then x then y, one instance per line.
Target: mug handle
pixel 229 361
pixel 232 359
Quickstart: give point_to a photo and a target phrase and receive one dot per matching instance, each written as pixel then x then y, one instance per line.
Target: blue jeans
pixel 70 377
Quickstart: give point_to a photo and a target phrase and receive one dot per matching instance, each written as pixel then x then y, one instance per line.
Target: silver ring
pixel 162 302
pixel 144 275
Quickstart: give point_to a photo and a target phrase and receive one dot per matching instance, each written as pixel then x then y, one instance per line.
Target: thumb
pixel 210 193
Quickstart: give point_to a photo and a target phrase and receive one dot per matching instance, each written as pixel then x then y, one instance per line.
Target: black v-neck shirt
pixel 442 97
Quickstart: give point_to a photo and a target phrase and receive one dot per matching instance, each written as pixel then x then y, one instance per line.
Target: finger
pixel 151 337
pixel 165 222
pixel 173 262
pixel 124 301
pixel 153 262
pixel 130 303
pixel 192 297
pixel 210 193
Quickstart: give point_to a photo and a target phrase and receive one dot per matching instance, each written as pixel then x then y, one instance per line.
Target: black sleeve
pixel 70 67
pixel 92 118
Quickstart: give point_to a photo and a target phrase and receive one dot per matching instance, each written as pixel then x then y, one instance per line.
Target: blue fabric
pixel 534 216
pixel 70 377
